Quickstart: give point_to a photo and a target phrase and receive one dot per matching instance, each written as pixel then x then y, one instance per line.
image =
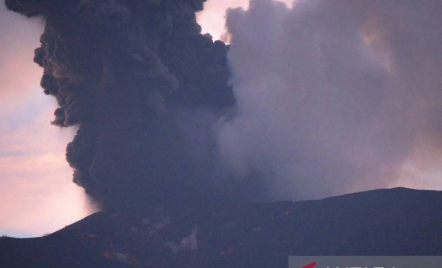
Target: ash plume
pixel 322 98
pixel 144 86
pixel 334 96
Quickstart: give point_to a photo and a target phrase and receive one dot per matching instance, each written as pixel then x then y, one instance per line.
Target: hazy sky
pixel 212 19
pixel 37 195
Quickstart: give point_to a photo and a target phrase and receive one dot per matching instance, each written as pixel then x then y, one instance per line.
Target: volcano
pixel 394 222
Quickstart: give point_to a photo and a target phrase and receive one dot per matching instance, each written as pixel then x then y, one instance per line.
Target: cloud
pixel 333 96
pixel 212 18
pixel 124 78
pixel 36 196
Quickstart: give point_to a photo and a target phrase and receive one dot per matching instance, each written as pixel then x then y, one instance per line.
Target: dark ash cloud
pixel 328 96
pixel 126 72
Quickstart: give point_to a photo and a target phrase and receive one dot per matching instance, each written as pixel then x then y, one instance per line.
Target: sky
pixel 37 194
pixel 213 17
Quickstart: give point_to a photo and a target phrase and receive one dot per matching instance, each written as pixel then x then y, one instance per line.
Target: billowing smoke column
pixel 328 97
pixel 143 85
pixel 335 96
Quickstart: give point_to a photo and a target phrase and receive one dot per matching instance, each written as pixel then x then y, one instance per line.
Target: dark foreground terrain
pixel 382 222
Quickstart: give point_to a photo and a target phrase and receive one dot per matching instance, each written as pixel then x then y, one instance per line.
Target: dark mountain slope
pixel 382 222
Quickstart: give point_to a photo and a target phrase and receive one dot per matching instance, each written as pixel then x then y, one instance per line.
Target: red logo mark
pixel 311 265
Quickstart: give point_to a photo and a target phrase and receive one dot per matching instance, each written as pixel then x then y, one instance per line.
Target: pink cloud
pixel 212 19
pixel 37 195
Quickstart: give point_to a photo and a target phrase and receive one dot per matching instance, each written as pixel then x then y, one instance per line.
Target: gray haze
pixel 334 96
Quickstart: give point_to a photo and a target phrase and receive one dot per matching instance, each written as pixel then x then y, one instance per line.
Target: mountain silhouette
pixel 393 222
